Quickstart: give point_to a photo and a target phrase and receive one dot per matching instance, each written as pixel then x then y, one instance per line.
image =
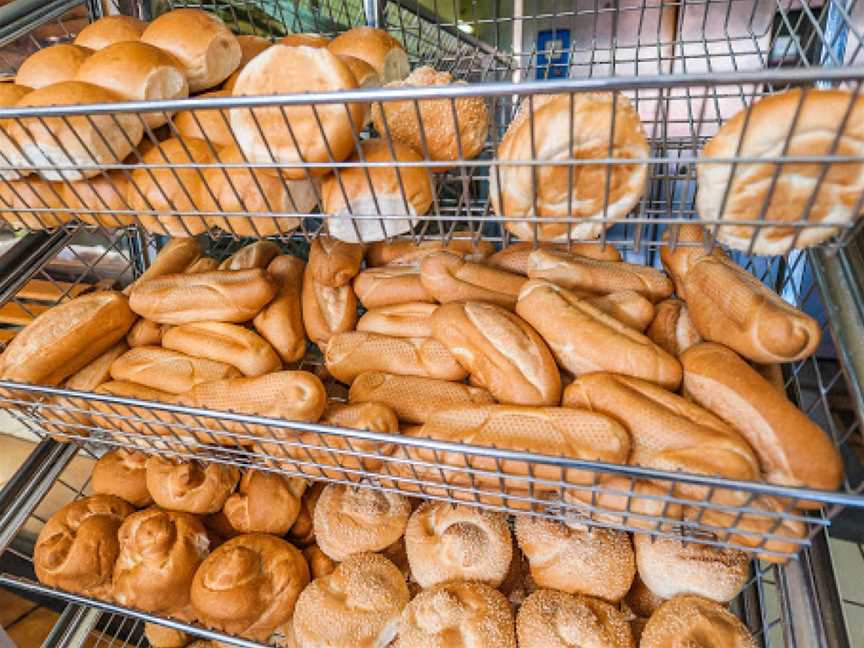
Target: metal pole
pixel 73 627
pixel 374 12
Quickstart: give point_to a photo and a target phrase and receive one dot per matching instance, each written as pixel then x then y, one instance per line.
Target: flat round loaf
pixel 565 129
pixel 109 30
pixel 691 619
pixel 52 65
pixel 377 48
pixel 190 486
pixel 265 502
pixel 122 473
pixel 225 343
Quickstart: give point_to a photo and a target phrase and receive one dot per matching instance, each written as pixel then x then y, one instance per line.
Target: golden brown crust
pixel 672 329
pixel 121 473
pixel 255 255
pixel 514 257
pixel 167 369
pixel 265 502
pixel 52 65
pixel 410 319
pixel 302 532
pixel 225 344
pixel 390 285
pixel 320 564
pixel 109 30
pixel 687 619
pixel 332 262
pixel 208 125
pixel 449 278
pixel 103 193
pixel 175 257
pixel 374 46
pixel 281 321
pixel 407 252
pixel 145 332
pixel 327 311
pixel 190 486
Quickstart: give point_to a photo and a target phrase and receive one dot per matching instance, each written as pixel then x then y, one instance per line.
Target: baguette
pixel 204 264
pixel 514 257
pixel 584 339
pixel 672 329
pixel 389 285
pixel 449 278
pixel 405 252
pixel 413 398
pixel 326 311
pixel 352 353
pixel 411 319
pixel 509 358
pixel 334 263
pixel 281 321
pixel 691 241
pixel 168 370
pixel 221 296
pixel 792 449
pixel 628 307
pixel 255 255
pixel 174 257
pixel 603 277
pixel 225 343
pixel 144 332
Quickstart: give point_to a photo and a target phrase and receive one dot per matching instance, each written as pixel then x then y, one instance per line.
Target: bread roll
pixel 691 619
pixel 332 262
pixel 62 340
pixel 34 194
pixel 10 153
pixel 77 547
pixel 366 77
pixel 446 542
pixel 623 501
pixel 449 278
pixel 773 373
pixel 159 554
pixel 190 486
pixel 105 194
pixel 447 130
pixel 302 532
pixel 411 319
pixel 265 502
pixel 371 204
pixel 250 585
pixel 211 124
pixel 281 321
pixel 225 343
pixel 502 350
pixel 250 47
pixel 584 339
pixel 175 257
pixel 377 48
pixel 350 354
pixel 109 30
pixel 550 619
pixel 304 40
pixel 325 134
pixel 221 296
pixel 255 255
pixel 320 564
pixel 164 637
pixel 169 190
pixel 327 311
pixel 577 559
pixel 570 126
pixel 628 307
pixel 204 264
pixel 514 257
pixel 121 473
pixel 672 329
pixel 692 242
pixel 792 449
pixel 137 71
pixel 169 370
pixel 51 65
pixel 390 285
pixel 131 421
pixel 407 252
pixel 357 606
pixel 641 600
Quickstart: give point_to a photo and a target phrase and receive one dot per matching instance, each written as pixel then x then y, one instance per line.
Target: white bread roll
pixel 327 311
pixel 164 637
pixel 109 30
pixel 450 278
pixel 137 71
pixel 200 41
pixel 284 70
pixel 514 257
pixel 29 195
pixel 512 190
pixel 333 262
pixel 190 486
pixel 688 620
pixel 174 258
pixel 400 195
pixel 377 48
pixel 407 252
pixel 52 65
pixel 103 193
pixel 265 502
pixel 207 124
pixel 122 473
pixel 254 255
pixel 281 321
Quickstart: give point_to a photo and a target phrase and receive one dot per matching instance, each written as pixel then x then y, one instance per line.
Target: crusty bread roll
pixel 627 306
pixel 514 257
pixel 225 343
pixel 453 542
pixel 265 502
pixel 407 252
pixel 332 262
pixel 449 278
pixel 458 613
pixel 34 194
pixel 200 41
pixel 570 126
pixel 411 319
pixel 220 296
pixel 159 554
pixel 584 339
pixel 325 134
pixel 792 449
pixel 320 564
pixel 97 371
pixel 52 65
pixel 190 486
pixel 377 48
pixel 357 606
pixel 390 285
pixel 109 30
pixel 692 619
pixel 137 71
pixel 577 559
pixel 281 321
pixel 305 40
pixel 174 257
pixel 550 619
pixel 77 547
pixel 131 421
pixel 249 585
pixel 204 264
pixel 255 255
pixel 352 353
pixel 167 369
pixel 365 75
pixel 447 130
pixel 302 532
pixel 623 501
pixel 250 47
pixel 103 193
pixel 10 152
pixel 351 520
pixel 159 636
pixel 670 567
pixel 327 311
pixel 121 473
pixel 508 356
pixel 212 125
pixel 641 600
pixel 692 242
pixel 672 329
pixel 64 339
pixel 414 398
pixel 374 203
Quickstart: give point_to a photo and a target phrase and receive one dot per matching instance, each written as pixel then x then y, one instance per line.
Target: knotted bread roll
pixel 190 486
pixel 692 620
pixel 265 502
pixel 122 473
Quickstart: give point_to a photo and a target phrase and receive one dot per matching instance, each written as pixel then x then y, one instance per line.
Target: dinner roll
pixel 122 473
pixel 250 47
pixel 551 619
pixel 206 123
pixel 200 41
pixel 104 194
pixel 447 130
pixel 458 614
pixel 350 520
pixel 159 554
pixel 52 65
pixel 77 547
pixel 109 30
pixel 190 486
pixel 32 193
pixel 302 532
pixel 357 606
pixel 375 46
pixel 670 567
pixel 284 70
pixel 691 620
pixel 265 502
pixel 365 75
pixel 249 585
pixel 451 542
pixel 561 192
pixel 577 559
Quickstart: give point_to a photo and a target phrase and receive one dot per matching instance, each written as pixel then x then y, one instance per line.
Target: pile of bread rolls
pixel 304 564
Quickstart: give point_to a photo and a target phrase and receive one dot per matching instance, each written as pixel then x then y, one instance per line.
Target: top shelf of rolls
pixel 102 130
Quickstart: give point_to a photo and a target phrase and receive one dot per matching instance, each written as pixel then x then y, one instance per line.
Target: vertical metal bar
pixel 516 46
pixel 373 10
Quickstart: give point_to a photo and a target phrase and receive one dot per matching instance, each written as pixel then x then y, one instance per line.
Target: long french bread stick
pixel 225 343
